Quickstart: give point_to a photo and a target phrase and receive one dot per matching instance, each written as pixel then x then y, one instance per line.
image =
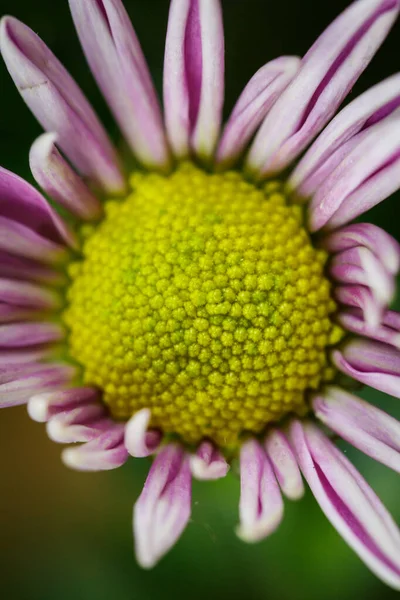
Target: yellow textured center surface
pixel 201 297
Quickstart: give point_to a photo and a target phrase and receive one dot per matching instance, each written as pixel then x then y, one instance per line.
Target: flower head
pixel 208 307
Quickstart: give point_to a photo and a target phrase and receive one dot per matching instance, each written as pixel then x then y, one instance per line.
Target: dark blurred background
pixel 67 535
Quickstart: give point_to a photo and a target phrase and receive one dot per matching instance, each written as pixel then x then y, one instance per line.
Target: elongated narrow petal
pixel 364 426
pixel 139 440
pixel 11 313
pixel 117 62
pixel 26 269
pixel 103 453
pixel 21 204
pixel 259 95
pixel 208 463
pixel 355 185
pixel 380 243
pixel 261 504
pixel 163 509
pixel 27 294
pixel 372 106
pixel 41 407
pixel 284 464
pixel 372 363
pixel 58 104
pixel 327 74
pixel 80 424
pixel 353 320
pixel 349 503
pixel 27 380
pixel 59 180
pixel 28 334
pixel 194 76
pixel 361 297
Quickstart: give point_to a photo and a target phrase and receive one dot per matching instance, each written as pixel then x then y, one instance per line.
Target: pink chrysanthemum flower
pixel 208 308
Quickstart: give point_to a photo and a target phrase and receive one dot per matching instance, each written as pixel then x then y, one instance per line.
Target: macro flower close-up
pixel 207 294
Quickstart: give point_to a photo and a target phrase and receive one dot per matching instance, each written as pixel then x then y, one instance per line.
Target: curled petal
pixel 163 509
pixel 352 320
pixel 372 363
pixel 259 95
pixel 369 108
pixel 80 424
pixel 29 215
pixel 117 62
pixel 284 464
pixel 22 293
pixel 41 407
pixel 103 453
pixel 19 335
pixel 194 76
pixel 139 441
pixel 349 503
pixel 58 104
pixel 19 383
pixel 364 426
pixel 327 74
pixel 208 463
pixel 380 243
pixel 369 166
pixel 59 181
pixel 361 297
pixel 261 504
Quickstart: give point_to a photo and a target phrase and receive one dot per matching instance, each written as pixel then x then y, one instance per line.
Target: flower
pixel 207 307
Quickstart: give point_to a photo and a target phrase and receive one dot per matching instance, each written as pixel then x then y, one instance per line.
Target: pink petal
pixel 139 441
pixel 361 297
pixel 25 269
pixel 59 181
pixel 380 243
pixel 41 407
pixel 103 453
pixel 261 505
pixel 372 106
pixel 163 509
pixel 79 424
pixel 349 503
pixel 208 463
pixel 117 62
pixel 254 103
pixel 372 363
pixel 58 104
pixel 20 335
pixel 352 320
pixel 355 185
pixel 27 294
pixel 364 426
pixel 328 72
pixel 284 464
pixel 194 76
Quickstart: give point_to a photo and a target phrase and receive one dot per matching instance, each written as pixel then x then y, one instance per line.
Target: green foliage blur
pixel 67 535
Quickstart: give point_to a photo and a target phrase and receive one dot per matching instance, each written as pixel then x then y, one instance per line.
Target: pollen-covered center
pixel 201 297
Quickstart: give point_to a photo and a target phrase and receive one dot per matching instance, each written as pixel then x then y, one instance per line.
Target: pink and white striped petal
pixel 364 426
pixel 42 407
pixel 358 181
pixel 372 363
pixel 361 297
pixel 257 98
pixel 103 453
pixel 194 76
pixel 59 180
pixel 58 104
pixel 119 67
pixel 163 509
pixel 380 243
pixel 261 504
pixel 327 74
pixel 22 293
pixel 369 108
pixel 22 205
pixel 353 320
pixel 80 424
pixel 348 502
pixel 284 463
pixel 208 463
pixel 20 335
pixel 19 382
pixel 139 440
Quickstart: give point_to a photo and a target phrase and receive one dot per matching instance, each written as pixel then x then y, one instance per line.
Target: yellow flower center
pixel 201 297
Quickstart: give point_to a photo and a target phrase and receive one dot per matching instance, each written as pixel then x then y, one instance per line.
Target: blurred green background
pixel 66 535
